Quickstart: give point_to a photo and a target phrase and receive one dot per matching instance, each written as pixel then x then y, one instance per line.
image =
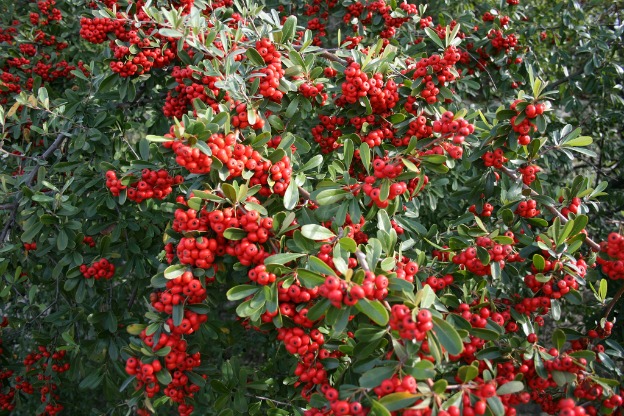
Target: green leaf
pixel 374 309
pixel 330 196
pixel 92 381
pixel 580 141
pixel 312 163
pixel 310 279
pixel 348 244
pixel 373 378
pixel 195 378
pixel 558 338
pixel 241 291
pixel 320 266
pixel 379 409
pixel 316 232
pixel 255 57
pixel 467 373
pixel 288 30
pixel 319 309
pixel 126 383
pixel 234 234
pixel 164 377
pixel 510 387
pixel 448 336
pixel 291 196
pixel 434 37
pixel 177 314
pixel 397 401
pixel 174 271
pixel 169 33
pixel 282 258
pixel 496 406
pixel 365 156
pixel 62 240
pixel 158 139
pixel 539 262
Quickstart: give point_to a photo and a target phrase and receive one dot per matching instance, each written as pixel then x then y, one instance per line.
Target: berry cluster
pixel 340 292
pixel 197 251
pixel 101 269
pixel 410 325
pixel 527 209
pixel 573 207
pixel 260 275
pixel 486 210
pixel 453 128
pixel 327 132
pixel 242 117
pixel 337 406
pixel 356 84
pixel 136 49
pixel 439 283
pixel 500 42
pixel 497 253
pixel 374 193
pixel 325 254
pixel 145 373
pixel 613 262
pixel 191 85
pixel 30 246
pixel 440 66
pixel 529 173
pixel 88 240
pixel 191 158
pixel 40 363
pixel 525 126
pixel 273 72
pixel 496 158
pixel 395 384
pixel 419 127
pixel 559 282
pixel 184 289
pixel 96 30
pixel 153 184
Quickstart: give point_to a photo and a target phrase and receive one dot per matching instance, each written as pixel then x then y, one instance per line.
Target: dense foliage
pixel 313 208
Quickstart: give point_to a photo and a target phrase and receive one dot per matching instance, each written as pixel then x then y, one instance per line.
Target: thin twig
pixel 132 297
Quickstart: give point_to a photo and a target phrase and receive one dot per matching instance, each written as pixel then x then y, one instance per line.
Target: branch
pixel 574 74
pixel 325 53
pixel 361 257
pixel 615 299
pixel 8 206
pixel 554 211
pixel 28 181
pixel 305 194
